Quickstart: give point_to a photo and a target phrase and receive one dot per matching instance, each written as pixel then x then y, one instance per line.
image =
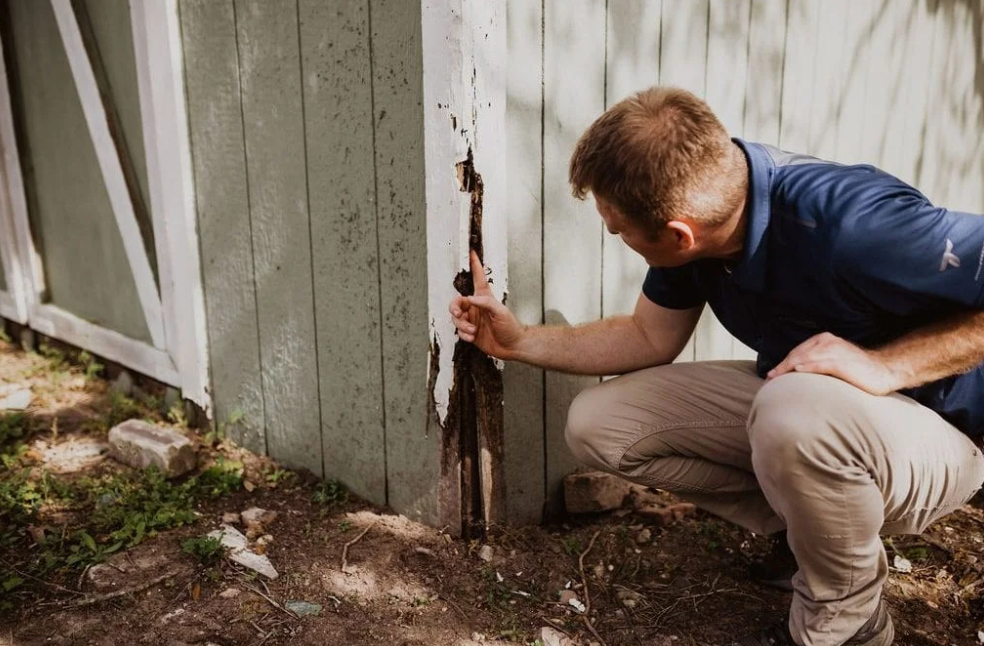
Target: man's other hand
pixel 826 354
pixel 481 319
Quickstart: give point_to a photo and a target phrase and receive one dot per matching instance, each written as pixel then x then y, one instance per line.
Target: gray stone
pixel 18 400
pixel 142 445
pixel 236 544
pixel 594 491
pixel 486 553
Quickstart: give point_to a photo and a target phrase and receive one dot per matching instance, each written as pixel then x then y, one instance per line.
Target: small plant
pixel 279 476
pixel 345 525
pixel 221 430
pixel 206 549
pixel 571 545
pixel 92 367
pixel 330 492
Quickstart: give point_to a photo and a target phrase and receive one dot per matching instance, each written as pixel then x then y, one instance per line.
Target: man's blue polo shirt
pixel 849 250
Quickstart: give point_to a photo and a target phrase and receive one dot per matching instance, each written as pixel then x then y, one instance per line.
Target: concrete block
pixel 594 491
pixel 142 445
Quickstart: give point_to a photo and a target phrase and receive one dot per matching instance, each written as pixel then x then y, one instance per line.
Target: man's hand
pixel 826 354
pixel 481 319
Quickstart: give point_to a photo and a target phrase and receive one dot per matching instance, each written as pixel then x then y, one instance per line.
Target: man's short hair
pixel 660 155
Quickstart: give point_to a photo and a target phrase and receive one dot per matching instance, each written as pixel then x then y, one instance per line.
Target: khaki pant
pixel 833 465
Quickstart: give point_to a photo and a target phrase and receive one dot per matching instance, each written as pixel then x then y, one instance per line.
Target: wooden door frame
pixel 175 314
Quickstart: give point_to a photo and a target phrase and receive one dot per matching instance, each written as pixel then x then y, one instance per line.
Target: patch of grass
pixel 279 476
pixel 90 366
pixel 207 550
pixel 330 493
pixel 109 513
pixel 4 336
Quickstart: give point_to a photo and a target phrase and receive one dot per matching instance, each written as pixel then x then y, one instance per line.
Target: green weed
pixel 329 493
pixel 207 550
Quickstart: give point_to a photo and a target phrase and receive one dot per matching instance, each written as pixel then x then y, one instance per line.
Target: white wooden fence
pixel 893 83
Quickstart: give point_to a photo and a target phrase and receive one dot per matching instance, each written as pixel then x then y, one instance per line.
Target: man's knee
pixel 790 423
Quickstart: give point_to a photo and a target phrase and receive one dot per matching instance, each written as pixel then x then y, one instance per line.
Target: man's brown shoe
pixel 877 631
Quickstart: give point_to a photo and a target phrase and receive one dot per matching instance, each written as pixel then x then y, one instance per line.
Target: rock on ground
pixel 594 491
pixel 142 445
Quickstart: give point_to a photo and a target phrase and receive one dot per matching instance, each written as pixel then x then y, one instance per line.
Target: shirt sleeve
pixel 673 287
pixel 908 256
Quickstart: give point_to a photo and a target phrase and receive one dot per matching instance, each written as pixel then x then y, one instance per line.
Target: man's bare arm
pixel 934 352
pixel 950 347
pixel 650 336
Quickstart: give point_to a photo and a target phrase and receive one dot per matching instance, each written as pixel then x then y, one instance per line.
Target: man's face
pixel 662 249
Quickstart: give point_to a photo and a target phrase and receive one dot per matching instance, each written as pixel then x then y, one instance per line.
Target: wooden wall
pixel 897 84
pixel 307 145
pixel 307 132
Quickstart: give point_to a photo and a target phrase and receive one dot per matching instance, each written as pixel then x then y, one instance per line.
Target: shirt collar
pixel 749 273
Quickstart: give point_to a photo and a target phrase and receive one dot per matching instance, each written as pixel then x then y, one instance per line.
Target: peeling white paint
pixel 464 74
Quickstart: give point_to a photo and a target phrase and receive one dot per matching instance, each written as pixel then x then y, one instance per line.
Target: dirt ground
pixel 381 579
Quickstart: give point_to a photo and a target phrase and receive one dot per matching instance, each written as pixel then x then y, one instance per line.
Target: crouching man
pixel 863 301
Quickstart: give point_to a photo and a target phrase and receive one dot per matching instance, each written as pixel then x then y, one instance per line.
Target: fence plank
pixel 766 55
pixel 918 80
pixel 829 79
pixel 219 159
pixel 883 87
pixel 854 80
pixel 273 127
pixel 798 81
pixel 522 384
pixel 571 231
pixel 632 64
pixel 412 444
pixel 338 121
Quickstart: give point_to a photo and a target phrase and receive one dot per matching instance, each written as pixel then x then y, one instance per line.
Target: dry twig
pixel 88 601
pixel 345 548
pixel 587 595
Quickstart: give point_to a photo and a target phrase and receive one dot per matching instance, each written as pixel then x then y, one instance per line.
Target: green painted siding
pixel 85 266
pixel 307 139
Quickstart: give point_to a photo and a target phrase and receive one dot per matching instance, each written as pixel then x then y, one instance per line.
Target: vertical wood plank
pixel 766 56
pixel 918 80
pixel 961 148
pixel 855 65
pixel 219 159
pixel 829 77
pixel 273 127
pixel 799 83
pixel 522 384
pixel 571 230
pixel 338 121
pixel 632 65
pixel 727 78
pixel 883 87
pixel 412 443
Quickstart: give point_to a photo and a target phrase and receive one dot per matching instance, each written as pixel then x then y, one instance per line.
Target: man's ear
pixel 682 234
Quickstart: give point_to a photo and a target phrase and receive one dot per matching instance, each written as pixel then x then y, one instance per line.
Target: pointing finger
pixel 479 280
